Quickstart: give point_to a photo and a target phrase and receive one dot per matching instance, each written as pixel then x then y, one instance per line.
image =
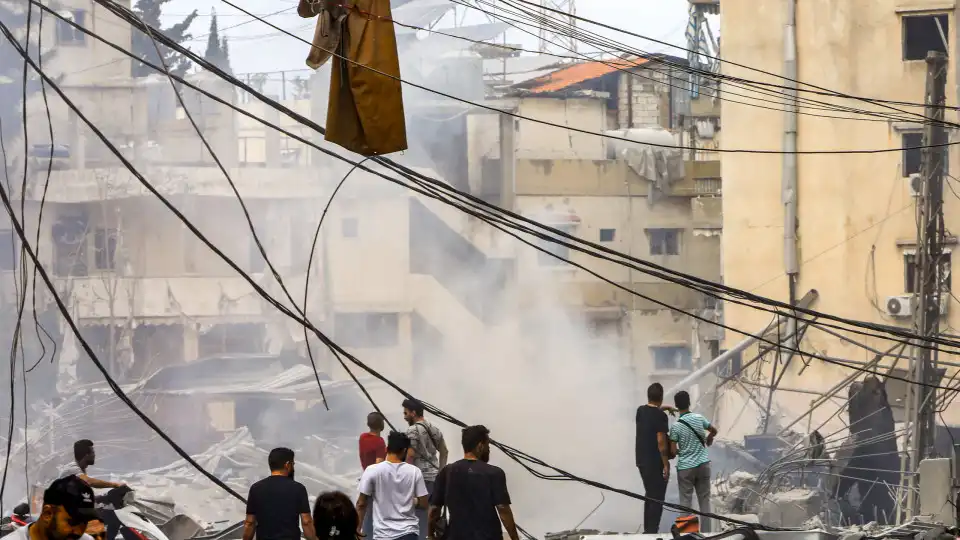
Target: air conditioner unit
pixel 915 183
pixel 901 306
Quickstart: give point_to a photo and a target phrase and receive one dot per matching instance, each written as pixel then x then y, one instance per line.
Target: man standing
pixel 653 456
pixel 372 451
pixel 277 505
pixel 474 492
pixel 67 509
pixel 426 442
pixel 85 457
pixel 372 448
pixel 397 488
pixel 690 436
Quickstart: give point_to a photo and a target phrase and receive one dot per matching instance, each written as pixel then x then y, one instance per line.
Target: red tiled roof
pixel 576 73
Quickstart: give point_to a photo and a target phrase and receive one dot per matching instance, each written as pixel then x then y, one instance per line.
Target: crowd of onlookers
pixel 408 490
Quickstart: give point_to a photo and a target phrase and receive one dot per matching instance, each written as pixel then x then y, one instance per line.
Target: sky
pixel 256 47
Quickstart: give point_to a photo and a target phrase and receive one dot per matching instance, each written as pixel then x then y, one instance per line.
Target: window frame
pixel 68 36
pixel 660 248
pixel 546 261
pixel 934 15
pixel 682 362
pixel 612 233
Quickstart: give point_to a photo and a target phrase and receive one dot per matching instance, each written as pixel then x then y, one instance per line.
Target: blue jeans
pixel 422 513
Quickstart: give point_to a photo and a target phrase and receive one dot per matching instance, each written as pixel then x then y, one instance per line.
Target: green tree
pixel 142 45
pixel 217 51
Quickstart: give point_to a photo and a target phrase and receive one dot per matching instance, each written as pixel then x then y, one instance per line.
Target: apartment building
pixel 596 189
pixel 856 213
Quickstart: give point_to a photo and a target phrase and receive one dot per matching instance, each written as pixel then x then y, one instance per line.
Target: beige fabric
pixel 326 37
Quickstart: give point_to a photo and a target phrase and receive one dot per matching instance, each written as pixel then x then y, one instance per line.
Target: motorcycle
pixel 121 516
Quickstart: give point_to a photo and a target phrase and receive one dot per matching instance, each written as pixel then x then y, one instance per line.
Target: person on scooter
pixel 85 457
pixel 67 509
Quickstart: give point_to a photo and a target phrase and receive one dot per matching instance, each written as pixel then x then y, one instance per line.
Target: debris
pixel 791 508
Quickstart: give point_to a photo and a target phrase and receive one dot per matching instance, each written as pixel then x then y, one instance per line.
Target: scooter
pixel 118 510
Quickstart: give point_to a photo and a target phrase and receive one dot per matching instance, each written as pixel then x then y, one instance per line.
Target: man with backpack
pixel 690 436
pixel 428 451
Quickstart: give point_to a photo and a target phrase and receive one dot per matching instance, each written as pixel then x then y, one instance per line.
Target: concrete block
pixel 936 479
pixel 791 508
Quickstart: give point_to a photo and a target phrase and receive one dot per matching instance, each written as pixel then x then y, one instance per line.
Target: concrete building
pixel 590 187
pixel 856 213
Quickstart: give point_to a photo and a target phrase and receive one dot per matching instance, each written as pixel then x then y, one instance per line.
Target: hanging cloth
pixel 365 110
pixel 331 17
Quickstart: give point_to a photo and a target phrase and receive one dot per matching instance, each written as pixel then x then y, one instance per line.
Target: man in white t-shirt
pixel 397 490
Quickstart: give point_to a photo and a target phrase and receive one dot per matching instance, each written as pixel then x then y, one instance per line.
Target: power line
pixel 515 454
pixel 585 131
pixel 702 285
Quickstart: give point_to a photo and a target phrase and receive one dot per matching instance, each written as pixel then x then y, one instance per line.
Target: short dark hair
pixel 655 393
pixel 473 436
pixel 82 449
pixel 375 421
pixel 334 510
pixel 682 400
pixel 279 457
pixel 414 405
pixel 397 442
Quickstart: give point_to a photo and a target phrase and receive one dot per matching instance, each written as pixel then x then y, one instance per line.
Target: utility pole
pixel 929 274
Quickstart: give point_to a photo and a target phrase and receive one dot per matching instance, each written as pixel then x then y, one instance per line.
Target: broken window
pixel 105 249
pixel 910 273
pixel 367 330
pixel 607 235
pixel 732 367
pixel 599 328
pixel 672 358
pixel 9 250
pixel 924 33
pixel 664 241
pixel 912 155
pixel 563 252
pixel 67 34
pixel 70 245
pixel 241 338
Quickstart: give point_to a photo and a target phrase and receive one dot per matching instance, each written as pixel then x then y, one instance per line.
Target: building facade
pixel 856 217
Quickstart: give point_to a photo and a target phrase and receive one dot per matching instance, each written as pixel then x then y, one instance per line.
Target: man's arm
pixel 711 433
pixel 673 449
pixel 249 527
pixel 99 484
pixel 506 516
pixel 306 522
pixel 362 502
pixel 433 517
pixel 444 453
pixel 664 447
pixel 437 500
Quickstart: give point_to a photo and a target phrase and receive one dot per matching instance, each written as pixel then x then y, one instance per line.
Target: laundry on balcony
pixel 365 109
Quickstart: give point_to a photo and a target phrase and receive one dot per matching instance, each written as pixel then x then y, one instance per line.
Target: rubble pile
pixel 238 462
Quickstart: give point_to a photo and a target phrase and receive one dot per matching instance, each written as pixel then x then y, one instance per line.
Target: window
pixel 672 358
pixel 607 235
pixel 349 228
pixel 70 245
pixel 664 241
pixel 367 330
pixel 732 367
pixel 913 158
pixel 911 153
pixel 105 249
pixel 9 250
pixel 603 328
pixel 563 252
pixel 68 35
pixel 910 273
pixel 922 33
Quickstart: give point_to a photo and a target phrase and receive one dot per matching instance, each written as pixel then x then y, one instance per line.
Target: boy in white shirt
pixel 397 489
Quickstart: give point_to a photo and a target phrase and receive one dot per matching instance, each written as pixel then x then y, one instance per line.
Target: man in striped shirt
pixel 690 436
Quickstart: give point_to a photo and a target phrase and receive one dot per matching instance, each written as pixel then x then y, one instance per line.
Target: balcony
pixel 159 298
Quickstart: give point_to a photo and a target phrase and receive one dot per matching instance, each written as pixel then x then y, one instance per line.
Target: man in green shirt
pixel 690 436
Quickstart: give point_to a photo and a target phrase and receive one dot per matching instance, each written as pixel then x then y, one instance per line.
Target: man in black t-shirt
pixel 474 492
pixel 652 456
pixel 277 506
